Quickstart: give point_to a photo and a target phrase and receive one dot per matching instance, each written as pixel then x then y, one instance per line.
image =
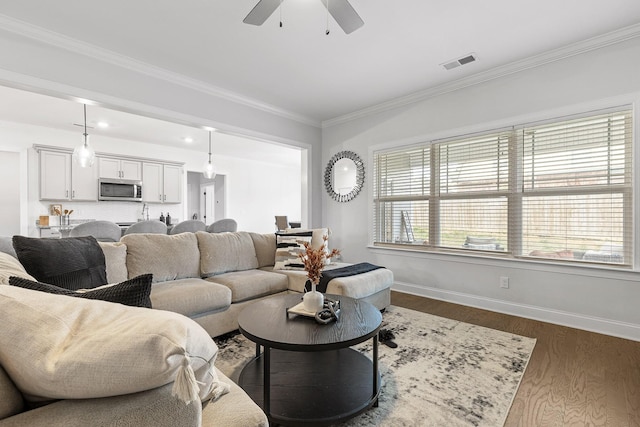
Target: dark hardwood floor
pixel 574 377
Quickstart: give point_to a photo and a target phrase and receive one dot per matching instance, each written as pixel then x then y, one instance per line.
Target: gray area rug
pixel 443 372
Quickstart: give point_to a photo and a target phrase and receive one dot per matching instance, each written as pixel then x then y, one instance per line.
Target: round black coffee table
pixel 307 374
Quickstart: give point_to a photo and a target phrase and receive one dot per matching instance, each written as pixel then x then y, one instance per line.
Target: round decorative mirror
pixel 344 176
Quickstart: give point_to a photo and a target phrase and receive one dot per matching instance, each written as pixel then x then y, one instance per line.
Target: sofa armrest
pixel 155 407
pixel 233 409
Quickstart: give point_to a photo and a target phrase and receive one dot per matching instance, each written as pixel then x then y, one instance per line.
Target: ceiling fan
pixel 341 10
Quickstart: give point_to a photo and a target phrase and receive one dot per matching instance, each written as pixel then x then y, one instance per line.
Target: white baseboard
pixel 588 323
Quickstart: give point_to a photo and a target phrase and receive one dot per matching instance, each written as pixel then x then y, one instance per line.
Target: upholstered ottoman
pixel 372 286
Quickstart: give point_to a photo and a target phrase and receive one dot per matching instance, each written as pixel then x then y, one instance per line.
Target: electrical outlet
pixel 504 282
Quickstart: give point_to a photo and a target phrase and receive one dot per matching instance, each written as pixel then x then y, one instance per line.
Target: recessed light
pixel 188 140
pixel 102 125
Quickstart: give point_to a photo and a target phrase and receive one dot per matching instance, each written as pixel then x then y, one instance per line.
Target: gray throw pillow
pixel 134 292
pixel 71 263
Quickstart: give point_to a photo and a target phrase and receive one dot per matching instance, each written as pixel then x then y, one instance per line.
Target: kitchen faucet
pixel 145 207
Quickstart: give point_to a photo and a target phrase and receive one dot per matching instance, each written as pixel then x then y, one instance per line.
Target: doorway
pixel 206 198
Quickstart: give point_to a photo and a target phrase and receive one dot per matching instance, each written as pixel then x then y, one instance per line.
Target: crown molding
pixel 77 46
pixel 573 49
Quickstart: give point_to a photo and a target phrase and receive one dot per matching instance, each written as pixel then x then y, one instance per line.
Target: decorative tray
pixel 299 309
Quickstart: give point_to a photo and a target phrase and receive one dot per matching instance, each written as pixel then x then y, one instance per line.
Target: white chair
pixel 282 222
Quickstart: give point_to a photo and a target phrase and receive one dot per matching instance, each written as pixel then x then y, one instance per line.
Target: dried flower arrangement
pixel 314 259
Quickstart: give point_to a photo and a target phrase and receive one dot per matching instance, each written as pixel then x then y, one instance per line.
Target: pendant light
pixel 208 167
pixel 84 154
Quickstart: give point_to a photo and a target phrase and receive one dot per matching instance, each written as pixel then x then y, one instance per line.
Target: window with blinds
pixel 560 190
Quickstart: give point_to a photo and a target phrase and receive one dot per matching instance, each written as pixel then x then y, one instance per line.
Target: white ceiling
pixel 30 108
pixel 299 69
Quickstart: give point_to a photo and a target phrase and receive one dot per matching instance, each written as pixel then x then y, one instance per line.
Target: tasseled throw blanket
pixel 350 270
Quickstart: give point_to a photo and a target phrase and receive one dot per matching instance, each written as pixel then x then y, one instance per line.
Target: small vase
pixel 313 301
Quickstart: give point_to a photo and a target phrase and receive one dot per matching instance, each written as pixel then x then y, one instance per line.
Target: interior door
pixel 207 202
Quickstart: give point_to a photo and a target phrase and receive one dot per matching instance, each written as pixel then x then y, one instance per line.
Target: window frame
pixel 515 193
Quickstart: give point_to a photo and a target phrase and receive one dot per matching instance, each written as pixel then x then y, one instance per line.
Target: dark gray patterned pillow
pixel 71 263
pixel 134 292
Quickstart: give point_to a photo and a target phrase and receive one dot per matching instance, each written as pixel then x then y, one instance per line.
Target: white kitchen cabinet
pixel 50 233
pixel 161 183
pixel 55 175
pixel 172 183
pixel 152 182
pixel 114 168
pixel 61 179
pixel 84 182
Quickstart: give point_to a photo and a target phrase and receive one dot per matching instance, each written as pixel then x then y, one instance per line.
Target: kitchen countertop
pixel 72 223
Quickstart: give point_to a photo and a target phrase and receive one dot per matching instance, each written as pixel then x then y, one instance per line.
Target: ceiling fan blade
pixel 344 14
pixel 261 12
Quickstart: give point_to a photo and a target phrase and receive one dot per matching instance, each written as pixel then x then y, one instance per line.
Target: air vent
pixel 460 61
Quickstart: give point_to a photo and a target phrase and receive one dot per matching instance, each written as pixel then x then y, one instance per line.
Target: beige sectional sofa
pixel 207 277
pixel 156 407
pixel 211 277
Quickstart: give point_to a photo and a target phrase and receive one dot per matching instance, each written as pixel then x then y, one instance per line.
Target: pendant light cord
pixel 209 147
pixel 328 31
pixel 85 124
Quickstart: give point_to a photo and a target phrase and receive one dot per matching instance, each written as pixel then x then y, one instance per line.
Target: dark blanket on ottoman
pixel 350 270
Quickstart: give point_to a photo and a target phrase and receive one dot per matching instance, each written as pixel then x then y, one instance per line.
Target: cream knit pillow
pixel 10 266
pixel 57 347
pixel 115 260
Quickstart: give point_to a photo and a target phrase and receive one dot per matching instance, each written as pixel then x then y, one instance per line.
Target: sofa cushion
pixel 10 266
pixel 72 263
pixel 224 252
pixel 250 284
pixel 265 246
pixel 6 246
pixel 288 248
pixel 190 297
pixel 357 286
pixel 115 259
pixel 167 257
pixel 56 347
pixel 236 409
pixel 361 285
pixel 134 292
pixel 296 279
pixel 11 401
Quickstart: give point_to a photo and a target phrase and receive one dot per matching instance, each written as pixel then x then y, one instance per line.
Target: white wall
pixel 254 189
pixel 9 193
pixel 595 299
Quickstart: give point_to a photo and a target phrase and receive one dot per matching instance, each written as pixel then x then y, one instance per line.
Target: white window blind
pixel 560 190
pixel 473 190
pixel 577 189
pixel 403 188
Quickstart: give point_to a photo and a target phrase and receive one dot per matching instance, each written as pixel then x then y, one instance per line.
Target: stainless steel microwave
pixel 120 189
